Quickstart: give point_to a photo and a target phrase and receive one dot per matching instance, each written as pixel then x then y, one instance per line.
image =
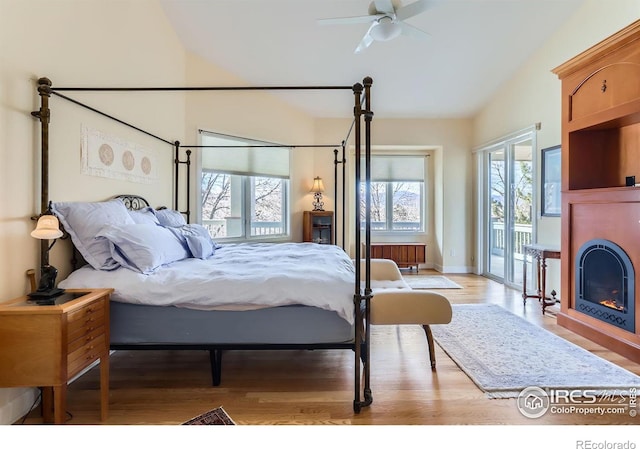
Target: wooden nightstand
pixel 45 346
pixel 317 226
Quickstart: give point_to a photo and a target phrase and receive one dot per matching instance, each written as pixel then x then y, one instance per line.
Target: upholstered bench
pixel 394 302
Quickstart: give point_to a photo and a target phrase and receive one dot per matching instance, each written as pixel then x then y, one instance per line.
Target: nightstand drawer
pixel 85 320
pixel 96 307
pixel 84 355
pixel 87 337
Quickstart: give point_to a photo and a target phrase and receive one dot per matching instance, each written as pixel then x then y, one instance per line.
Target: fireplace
pixel 605 283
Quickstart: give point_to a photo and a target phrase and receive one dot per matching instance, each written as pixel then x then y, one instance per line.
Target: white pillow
pixel 170 217
pixel 143 247
pixel 199 241
pixel 144 216
pixel 83 221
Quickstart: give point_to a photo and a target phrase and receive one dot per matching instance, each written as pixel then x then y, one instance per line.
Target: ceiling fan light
pixel 385 30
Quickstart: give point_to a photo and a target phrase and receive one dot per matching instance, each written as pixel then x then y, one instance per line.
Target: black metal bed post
pixel 335 195
pixel 336 162
pixel 357 297
pixel 188 209
pixel 44 114
pixel 368 116
pixel 344 190
pixel 176 164
pixel 357 90
pixel 176 189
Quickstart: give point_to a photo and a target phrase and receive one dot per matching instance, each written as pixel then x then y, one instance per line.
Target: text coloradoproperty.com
pixel 589 410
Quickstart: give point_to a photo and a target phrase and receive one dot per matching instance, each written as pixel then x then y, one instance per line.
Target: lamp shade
pixel 385 30
pixel 318 186
pixel 48 228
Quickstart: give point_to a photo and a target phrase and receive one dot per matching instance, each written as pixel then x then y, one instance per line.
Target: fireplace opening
pixel 605 283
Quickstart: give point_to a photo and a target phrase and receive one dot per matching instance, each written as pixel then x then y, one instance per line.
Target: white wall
pixel 533 95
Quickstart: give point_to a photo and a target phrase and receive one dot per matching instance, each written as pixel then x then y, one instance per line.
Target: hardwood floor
pixel 316 387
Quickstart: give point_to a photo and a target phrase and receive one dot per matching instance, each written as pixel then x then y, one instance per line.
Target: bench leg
pixel 432 352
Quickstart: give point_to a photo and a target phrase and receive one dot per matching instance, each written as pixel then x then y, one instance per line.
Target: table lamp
pixel 48 228
pixel 317 189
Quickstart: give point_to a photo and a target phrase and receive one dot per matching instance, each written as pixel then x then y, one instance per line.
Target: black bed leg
pixel 215 357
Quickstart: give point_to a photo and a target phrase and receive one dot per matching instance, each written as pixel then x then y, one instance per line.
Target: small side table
pixel 46 345
pixel 541 253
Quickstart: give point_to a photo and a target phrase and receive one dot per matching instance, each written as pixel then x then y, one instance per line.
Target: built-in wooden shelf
pixel 600 149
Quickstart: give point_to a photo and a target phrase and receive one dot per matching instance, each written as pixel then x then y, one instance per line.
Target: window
pixel 397 194
pixel 243 189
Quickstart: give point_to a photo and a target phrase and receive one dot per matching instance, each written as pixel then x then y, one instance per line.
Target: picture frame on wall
pixel 551 203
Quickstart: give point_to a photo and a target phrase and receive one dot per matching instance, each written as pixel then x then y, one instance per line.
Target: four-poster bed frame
pixel 362 282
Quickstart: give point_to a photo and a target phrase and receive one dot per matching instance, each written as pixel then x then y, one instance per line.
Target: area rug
pixel 215 417
pixel 503 354
pixel 431 282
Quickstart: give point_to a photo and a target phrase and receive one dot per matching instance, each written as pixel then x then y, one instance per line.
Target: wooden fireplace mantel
pixel 600 149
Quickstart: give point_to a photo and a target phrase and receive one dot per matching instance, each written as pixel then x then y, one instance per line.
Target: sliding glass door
pixel 497 225
pixel 509 207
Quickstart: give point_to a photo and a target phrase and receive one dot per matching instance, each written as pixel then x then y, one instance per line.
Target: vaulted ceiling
pixel 474 47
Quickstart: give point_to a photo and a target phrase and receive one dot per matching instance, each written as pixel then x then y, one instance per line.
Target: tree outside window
pixel 395 206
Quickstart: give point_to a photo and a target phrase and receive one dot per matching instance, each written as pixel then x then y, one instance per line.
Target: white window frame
pixel 247 195
pixel 389 231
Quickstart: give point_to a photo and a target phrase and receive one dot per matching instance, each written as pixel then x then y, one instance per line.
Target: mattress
pixel 133 324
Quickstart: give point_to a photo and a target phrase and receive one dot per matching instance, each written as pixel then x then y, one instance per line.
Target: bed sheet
pixel 242 276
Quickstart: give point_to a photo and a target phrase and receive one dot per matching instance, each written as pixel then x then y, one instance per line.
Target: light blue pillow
pixel 199 241
pixel 171 218
pixel 83 221
pixel 143 247
pixel 144 216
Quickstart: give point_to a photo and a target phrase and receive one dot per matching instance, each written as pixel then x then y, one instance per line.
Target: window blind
pixel 230 156
pixel 397 168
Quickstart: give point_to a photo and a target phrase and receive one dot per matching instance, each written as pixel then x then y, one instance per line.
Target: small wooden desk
pixel 541 253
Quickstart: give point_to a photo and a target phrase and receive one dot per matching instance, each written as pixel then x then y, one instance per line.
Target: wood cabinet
pixel 405 255
pixel 600 149
pixel 47 345
pixel 318 227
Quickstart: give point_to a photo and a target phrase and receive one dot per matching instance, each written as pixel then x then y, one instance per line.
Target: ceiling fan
pixel 387 21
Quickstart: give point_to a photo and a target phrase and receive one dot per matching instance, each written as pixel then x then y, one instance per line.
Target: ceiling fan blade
pixel 411 31
pixel 349 20
pixel 366 40
pixel 415 8
pixel 384 6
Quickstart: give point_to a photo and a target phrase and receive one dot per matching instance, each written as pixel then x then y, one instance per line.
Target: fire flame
pixel 612 304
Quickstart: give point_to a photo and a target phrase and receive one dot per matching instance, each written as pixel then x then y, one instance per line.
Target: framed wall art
pixel 551 175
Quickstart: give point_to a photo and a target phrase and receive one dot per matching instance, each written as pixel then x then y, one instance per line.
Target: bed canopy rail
pixel 361 112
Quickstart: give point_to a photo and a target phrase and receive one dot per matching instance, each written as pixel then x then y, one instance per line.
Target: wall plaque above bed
pixel 112 157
